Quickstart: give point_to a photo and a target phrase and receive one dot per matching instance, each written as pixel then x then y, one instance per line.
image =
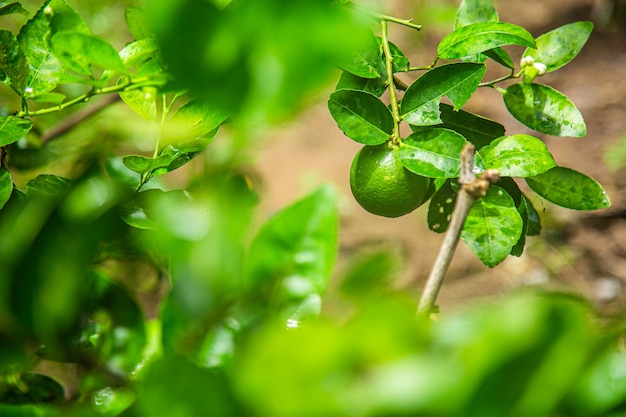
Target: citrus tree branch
pixel 383 17
pixel 395 109
pixel 472 189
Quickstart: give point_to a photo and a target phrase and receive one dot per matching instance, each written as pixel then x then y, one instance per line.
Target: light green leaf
pixel 47 185
pixel 142 102
pixel 6 186
pixel 138 52
pixel 493 226
pixel 13 128
pixel 441 208
pixel 79 51
pixel 457 81
pixel 199 119
pixel 434 153
pixel 361 116
pixel 517 156
pixel 475 11
pixel 292 255
pixel 559 46
pixel 348 81
pixel 366 62
pixel 570 189
pixel 544 109
pixel 137 22
pixel 63 17
pixel 43 65
pixel 13 63
pixel 7 8
pixel 399 60
pixel 480 37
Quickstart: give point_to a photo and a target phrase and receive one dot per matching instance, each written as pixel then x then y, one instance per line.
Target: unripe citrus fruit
pixel 383 186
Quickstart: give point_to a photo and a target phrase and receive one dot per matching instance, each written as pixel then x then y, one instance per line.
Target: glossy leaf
pixel 63 17
pixel 13 62
pixel 365 62
pixel 137 22
pixel 142 102
pixel 570 189
pixel 348 81
pixel 457 81
pixel 475 11
pixel 518 156
pixel 559 46
pixel 43 65
pixel 292 255
pixel 501 56
pixel 13 129
pixel 545 110
pixel 7 8
pixel 196 119
pixel 481 37
pixel 6 187
pixel 47 185
pixel 441 208
pixel 434 153
pixel 136 53
pixel 79 51
pixel 493 226
pixel 361 116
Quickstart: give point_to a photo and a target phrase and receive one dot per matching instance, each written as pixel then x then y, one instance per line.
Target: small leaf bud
pixel 527 61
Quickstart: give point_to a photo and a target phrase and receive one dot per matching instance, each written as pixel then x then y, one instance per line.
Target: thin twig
pixel 472 189
pixel 75 119
pixel 383 17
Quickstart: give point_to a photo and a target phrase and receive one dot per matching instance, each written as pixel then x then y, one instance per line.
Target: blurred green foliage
pixel 124 294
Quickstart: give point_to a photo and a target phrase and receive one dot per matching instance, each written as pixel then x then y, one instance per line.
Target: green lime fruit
pixel 383 186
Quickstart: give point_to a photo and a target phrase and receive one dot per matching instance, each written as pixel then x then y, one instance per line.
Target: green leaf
pixel 43 65
pixel 292 255
pixel 434 153
pixel 79 51
pixel 201 120
pixel 399 60
pixel 365 62
pixel 501 56
pixel 13 129
pixel 137 22
pixel 6 187
pixel 361 116
pixel 348 81
pixel 493 226
pixel 475 11
pixel 63 17
pixel 441 208
pixel 457 81
pixel 47 185
pixel 136 53
pixel 481 37
pixel 570 189
pixel 559 46
pixel 544 109
pixel 534 221
pixel 13 63
pixel 518 156
pixel 7 8
pixel 530 217
pixel 142 102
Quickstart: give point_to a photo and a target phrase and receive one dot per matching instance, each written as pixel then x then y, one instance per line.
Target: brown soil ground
pixel 584 252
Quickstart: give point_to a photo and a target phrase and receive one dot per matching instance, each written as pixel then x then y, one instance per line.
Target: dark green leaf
pixel 570 189
pixel 28 410
pixel 12 8
pixel 559 46
pixel 79 51
pixel 43 65
pixel 434 153
pixel 348 81
pixel 457 81
pixel 400 61
pixel 534 221
pixel 361 116
pixel 441 208
pixel 475 11
pixel 47 185
pixel 500 56
pixel 481 37
pixel 493 226
pixel 137 22
pixel 13 63
pixel 13 129
pixel 517 156
pixel 291 257
pixel 365 62
pixel 545 110
pixel 6 187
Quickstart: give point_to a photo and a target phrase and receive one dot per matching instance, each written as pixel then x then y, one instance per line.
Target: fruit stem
pixel 393 98
pixel 472 189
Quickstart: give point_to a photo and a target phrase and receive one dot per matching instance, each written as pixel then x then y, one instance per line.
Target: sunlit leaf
pixel 63 17
pixel 545 110
pixel 365 62
pixel 493 226
pixel 142 102
pixel 570 189
pixel 559 46
pixel 480 37
pixel 13 129
pixel 13 62
pixel 79 51
pixel 361 116
pixel 517 156
pixel 47 185
pixel 475 11
pixel 434 153
pixel 457 81
pixel 137 22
